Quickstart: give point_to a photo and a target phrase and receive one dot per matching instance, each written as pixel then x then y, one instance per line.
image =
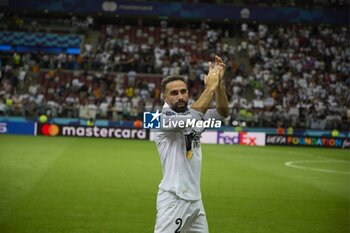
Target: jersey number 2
pixel 178 221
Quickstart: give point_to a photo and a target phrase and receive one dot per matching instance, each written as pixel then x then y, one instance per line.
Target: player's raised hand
pixel 220 66
pixel 212 79
pixel 216 69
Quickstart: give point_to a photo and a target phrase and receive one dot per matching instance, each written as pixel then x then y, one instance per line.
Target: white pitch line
pixel 293 165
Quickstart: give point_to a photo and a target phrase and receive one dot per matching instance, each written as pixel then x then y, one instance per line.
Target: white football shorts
pixel 175 215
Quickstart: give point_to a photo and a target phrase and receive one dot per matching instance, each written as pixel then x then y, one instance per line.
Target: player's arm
pixel 221 100
pixel 211 84
pixel 221 110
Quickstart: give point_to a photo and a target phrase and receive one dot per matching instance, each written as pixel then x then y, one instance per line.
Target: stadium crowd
pixel 297 75
pixel 300 75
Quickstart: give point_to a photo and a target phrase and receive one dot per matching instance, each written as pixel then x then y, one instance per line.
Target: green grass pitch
pixel 72 185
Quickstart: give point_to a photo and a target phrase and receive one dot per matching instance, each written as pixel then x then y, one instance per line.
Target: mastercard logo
pixel 50 130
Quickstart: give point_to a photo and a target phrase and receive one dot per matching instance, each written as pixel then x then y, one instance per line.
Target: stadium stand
pixel 278 75
pixel 274 3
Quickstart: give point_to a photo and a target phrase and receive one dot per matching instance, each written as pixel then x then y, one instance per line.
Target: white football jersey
pixel 181 175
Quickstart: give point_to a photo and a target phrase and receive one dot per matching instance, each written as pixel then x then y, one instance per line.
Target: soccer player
pixel 179 201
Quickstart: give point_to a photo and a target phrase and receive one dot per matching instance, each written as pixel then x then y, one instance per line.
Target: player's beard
pixel 180 106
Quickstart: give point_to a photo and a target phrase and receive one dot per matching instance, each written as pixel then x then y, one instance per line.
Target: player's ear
pixel 163 97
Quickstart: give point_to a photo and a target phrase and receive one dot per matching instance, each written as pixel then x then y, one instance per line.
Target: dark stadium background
pixel 287 63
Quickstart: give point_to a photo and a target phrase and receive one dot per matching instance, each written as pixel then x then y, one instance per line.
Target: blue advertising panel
pixel 26 128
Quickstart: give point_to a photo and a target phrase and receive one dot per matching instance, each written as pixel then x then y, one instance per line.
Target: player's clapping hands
pixel 215 74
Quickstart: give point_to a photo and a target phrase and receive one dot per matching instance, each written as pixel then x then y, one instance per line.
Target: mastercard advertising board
pixel 52 130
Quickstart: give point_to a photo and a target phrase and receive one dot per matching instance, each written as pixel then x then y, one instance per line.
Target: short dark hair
pixel 169 79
